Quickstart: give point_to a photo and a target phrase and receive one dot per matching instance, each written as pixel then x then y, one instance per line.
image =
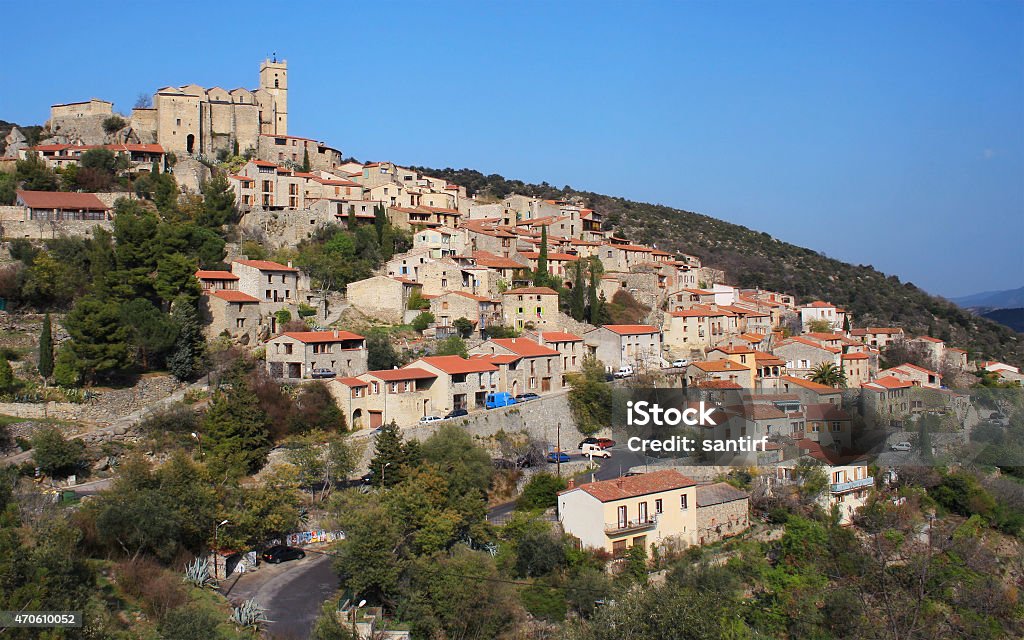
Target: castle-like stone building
pixel 188 120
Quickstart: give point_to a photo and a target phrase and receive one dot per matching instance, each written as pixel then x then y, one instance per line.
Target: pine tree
pixel 540 276
pixel 99 339
pixel 577 301
pixel 218 203
pixel 46 349
pixel 235 430
pixel 389 456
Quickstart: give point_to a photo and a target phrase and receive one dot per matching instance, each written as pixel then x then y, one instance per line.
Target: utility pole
pixel 558 449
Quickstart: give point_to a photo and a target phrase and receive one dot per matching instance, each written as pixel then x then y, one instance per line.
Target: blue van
pixel 495 400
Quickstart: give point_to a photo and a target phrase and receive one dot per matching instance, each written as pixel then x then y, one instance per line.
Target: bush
pixel 158 590
pixel 422 321
pixel 113 124
pixel 55 455
pixel 189 623
pixel 306 311
pixel 541 492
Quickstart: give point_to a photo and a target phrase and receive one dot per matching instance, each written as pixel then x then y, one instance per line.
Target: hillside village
pixel 491 303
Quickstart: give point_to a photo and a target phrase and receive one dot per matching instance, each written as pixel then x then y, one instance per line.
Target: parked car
pixel 320 374
pixel 500 399
pixel 280 553
pixel 624 371
pixel 558 456
pixel 595 451
pixel 430 419
pixel 901 446
pixel 605 443
pixel 608 377
pixel 590 440
pixel 678 364
pixel 455 413
pixel 526 397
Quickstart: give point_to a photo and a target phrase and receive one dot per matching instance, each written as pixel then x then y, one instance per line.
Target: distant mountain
pixel 1009 299
pixel 1013 318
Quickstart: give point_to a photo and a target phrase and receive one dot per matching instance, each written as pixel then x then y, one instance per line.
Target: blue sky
pixel 889 134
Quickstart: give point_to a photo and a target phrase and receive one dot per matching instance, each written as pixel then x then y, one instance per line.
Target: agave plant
pixel 249 614
pixel 198 573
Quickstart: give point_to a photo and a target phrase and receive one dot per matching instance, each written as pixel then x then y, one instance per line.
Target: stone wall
pixel 718 521
pixel 107 408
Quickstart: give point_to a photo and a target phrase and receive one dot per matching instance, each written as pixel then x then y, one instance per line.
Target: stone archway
pixel 190 143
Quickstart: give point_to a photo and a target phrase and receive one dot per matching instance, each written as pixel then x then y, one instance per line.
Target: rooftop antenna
pixel 275 56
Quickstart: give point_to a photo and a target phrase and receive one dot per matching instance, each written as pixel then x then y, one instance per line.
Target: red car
pixel 605 443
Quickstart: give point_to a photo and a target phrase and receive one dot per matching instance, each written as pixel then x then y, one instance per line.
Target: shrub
pixel 158 590
pixel 113 124
pixel 541 492
pixel 422 321
pixel 55 455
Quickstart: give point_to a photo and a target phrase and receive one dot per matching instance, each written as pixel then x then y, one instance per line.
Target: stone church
pixel 188 120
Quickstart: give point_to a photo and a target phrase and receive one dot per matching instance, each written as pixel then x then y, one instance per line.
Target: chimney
pixel 289 264
pixel 620 482
pixel 336 334
pixel 572 484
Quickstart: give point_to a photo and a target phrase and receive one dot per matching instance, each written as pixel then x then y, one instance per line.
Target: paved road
pixel 293 593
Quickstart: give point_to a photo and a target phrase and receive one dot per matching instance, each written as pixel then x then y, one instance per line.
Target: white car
pixel 430 419
pixel 901 446
pixel 679 364
pixel 624 372
pixel 594 451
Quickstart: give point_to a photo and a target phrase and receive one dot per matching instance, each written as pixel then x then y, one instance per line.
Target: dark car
pixel 322 374
pixel 605 443
pixel 526 397
pixel 281 553
pixel 588 441
pixel 455 413
pixel 558 456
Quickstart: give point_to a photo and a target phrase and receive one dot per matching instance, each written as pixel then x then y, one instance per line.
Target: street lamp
pixel 382 468
pixel 362 603
pixel 200 441
pixel 216 547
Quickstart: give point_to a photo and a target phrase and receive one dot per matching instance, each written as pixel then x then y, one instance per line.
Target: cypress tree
pixel 540 277
pixel 352 217
pixel 577 302
pixel 592 301
pixel 380 219
pixel 305 161
pixel 46 349
pixel 188 353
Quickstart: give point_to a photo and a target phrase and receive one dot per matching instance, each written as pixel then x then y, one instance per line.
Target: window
pixel 682 502
pixel 658 506
pixel 643 512
pixel 239 323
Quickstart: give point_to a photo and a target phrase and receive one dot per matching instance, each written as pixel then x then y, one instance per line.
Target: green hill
pixel 754 259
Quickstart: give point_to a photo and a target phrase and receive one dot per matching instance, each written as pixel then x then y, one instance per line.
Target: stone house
pixel 231 312
pixel 537 368
pixel 915 375
pixel 294 356
pixel 59 206
pixel 811 392
pixel 619 345
pixel 448 307
pixel 461 383
pixel 375 398
pixel 210 280
pixel 768 371
pixel 802 355
pixel 723 511
pixel 850 484
pixel 828 425
pixel 530 308
pixel 612 515
pixel 270 282
pixel 568 345
pixel 383 297
pixel 724 370
pixel 880 337
pixel 693 330
pixel 933 347
pixel 822 311
pixel 858 369
pixel 886 400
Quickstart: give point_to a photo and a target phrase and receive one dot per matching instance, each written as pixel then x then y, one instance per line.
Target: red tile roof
pixel 349 381
pixel 631 329
pixel 718 493
pixel 930 339
pixel 456 365
pixel 855 356
pixel 560 336
pixel 887 382
pixel 215 275
pixel 495 358
pixel 233 296
pixel 61 200
pixel 633 486
pixel 719 366
pixel 266 265
pixel 813 386
pixel 310 337
pixel 524 347
pixel 394 375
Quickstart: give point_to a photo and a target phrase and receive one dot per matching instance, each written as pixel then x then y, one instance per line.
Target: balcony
pixel 843 487
pixel 622 528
